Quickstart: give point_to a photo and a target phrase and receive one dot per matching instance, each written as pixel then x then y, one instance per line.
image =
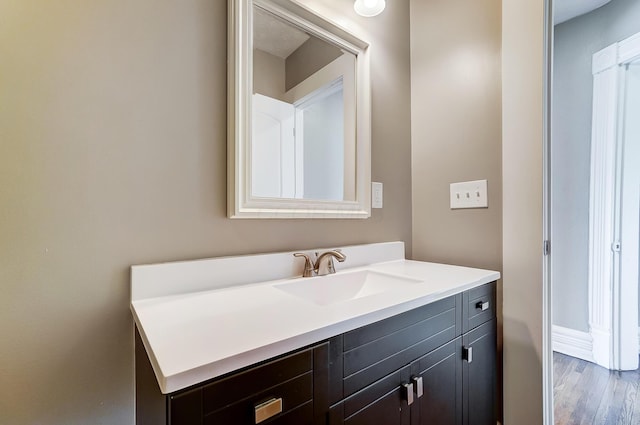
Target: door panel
pixel 479 376
pixel 441 373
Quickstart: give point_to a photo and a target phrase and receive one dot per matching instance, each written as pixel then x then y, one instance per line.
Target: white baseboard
pixel 573 343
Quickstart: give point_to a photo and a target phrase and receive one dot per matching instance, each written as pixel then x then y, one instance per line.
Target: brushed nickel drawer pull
pixel 268 409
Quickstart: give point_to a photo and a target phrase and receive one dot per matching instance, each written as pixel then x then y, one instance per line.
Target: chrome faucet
pixel 323 264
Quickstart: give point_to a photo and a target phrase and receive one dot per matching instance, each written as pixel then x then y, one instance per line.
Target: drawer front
pixel 375 350
pixel 255 381
pixel 302 415
pixel 479 306
pixel 296 397
pixel 185 408
pixel 278 392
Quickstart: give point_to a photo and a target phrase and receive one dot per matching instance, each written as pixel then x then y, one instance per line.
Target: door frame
pixel 547 302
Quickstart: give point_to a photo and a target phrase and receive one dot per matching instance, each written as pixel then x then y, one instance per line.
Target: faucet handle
pixel 308 264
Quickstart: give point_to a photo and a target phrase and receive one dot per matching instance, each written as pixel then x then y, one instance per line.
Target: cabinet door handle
pixel 482 305
pixel 467 354
pixel 417 380
pixel 268 409
pixel 408 392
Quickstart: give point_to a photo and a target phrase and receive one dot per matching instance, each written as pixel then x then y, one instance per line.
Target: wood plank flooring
pixel 585 393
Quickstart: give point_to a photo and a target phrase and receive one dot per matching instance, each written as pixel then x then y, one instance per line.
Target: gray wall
pixel 455 130
pixel 113 153
pixel 575 42
pixel 269 80
pixel 312 56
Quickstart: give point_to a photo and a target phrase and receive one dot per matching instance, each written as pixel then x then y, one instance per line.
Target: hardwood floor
pixel 585 393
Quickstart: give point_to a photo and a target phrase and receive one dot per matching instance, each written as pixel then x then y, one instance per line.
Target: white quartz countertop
pixel 196 336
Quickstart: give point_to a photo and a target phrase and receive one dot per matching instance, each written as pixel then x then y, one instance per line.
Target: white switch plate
pixel 469 194
pixel 376 195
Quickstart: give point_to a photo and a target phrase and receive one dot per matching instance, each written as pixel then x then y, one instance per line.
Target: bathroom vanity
pixel 416 344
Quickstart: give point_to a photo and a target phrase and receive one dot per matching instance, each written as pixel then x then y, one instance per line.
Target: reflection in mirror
pixel 299 126
pixel 303 114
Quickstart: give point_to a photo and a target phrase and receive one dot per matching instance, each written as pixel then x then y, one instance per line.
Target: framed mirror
pixel 299 126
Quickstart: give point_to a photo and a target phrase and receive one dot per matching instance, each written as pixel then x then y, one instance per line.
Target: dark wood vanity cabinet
pixel 433 365
pixel 391 360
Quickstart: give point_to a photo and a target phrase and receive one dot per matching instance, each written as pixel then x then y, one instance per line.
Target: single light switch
pixel 376 195
pixel 471 194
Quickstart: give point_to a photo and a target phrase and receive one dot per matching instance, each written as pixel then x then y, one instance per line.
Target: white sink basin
pixel 331 289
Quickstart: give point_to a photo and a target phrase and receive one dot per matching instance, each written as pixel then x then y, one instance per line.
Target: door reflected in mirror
pixel 303 134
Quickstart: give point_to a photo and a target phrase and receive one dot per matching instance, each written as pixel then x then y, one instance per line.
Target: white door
pixel 614 210
pixel 272 148
pixel 630 214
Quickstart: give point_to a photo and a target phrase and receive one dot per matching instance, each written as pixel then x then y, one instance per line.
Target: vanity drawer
pixel 373 351
pixel 292 402
pixel 232 400
pixel 479 306
pixel 280 392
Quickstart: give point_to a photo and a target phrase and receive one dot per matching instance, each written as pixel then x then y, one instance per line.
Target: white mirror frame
pixel 240 203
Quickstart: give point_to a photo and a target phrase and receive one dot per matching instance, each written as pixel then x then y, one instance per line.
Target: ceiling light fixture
pixel 368 8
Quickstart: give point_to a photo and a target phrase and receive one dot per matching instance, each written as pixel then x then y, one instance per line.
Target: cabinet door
pixel 479 375
pixel 376 350
pixel 439 374
pixel 381 403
